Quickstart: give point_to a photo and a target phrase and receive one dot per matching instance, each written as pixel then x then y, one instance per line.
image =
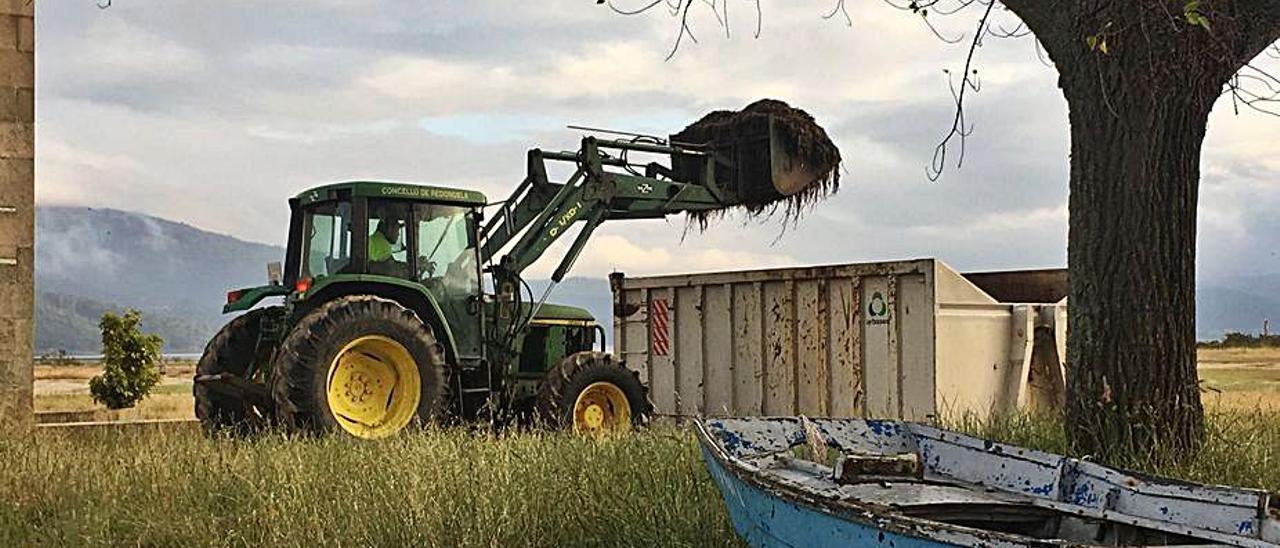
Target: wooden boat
pixel 854 482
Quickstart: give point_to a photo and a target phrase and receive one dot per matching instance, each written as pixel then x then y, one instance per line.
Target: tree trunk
pixel 1136 134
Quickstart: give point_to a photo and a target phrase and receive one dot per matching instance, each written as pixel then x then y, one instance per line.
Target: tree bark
pixel 1138 115
pixel 1132 383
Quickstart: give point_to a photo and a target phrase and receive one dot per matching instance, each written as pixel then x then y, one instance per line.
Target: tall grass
pixel 1242 448
pixel 441 488
pixel 444 488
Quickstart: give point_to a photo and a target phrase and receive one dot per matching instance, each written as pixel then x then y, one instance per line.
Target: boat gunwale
pixel 862 514
pixel 875 517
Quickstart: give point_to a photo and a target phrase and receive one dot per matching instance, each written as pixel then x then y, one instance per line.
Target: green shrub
pixel 1235 339
pixel 129 360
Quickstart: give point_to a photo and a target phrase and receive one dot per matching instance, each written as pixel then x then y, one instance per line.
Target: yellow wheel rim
pixel 374 387
pixel 601 408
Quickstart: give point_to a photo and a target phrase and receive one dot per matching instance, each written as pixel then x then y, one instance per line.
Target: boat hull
pixel 767 521
pixel 793 481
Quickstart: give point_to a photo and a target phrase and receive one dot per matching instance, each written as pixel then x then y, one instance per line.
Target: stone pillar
pixel 17 214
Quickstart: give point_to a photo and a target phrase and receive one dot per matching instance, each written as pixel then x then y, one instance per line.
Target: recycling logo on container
pixel 877 310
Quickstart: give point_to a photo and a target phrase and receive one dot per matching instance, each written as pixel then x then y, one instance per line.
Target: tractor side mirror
pixel 274 275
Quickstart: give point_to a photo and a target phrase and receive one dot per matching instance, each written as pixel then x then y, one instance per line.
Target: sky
pixel 214 113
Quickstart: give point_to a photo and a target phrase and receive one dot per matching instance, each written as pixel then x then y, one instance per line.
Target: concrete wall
pixel 17 213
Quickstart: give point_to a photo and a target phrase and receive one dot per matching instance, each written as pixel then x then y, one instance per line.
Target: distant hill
pixel 127 258
pixel 70 323
pixel 91 260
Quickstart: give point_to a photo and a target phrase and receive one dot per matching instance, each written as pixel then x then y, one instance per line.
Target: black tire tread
pixel 293 374
pixel 231 350
pixel 575 372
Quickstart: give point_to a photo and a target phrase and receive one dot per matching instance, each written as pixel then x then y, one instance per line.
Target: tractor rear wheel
pixel 362 365
pixel 230 351
pixel 593 394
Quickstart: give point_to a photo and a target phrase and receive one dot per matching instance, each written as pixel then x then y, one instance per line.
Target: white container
pixel 901 339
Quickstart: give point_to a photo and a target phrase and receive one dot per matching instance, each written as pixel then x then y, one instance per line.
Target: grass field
pixel 1234 379
pixel 461 488
pixel 439 488
pixel 1240 378
pixel 450 488
pixel 65 389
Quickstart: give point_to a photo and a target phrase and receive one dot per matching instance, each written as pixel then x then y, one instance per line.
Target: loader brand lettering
pixel 418 192
pixel 877 310
pixel 565 219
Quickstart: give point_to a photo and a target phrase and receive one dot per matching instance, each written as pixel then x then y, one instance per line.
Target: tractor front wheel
pixel 362 365
pixel 593 394
pixel 231 351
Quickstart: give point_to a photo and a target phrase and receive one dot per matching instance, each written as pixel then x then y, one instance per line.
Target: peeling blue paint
pixel 731 440
pixel 1045 489
pixel 1245 527
pixel 1084 496
pixel 884 428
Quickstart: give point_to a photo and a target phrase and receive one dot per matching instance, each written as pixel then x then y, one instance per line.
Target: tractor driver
pixel 383 242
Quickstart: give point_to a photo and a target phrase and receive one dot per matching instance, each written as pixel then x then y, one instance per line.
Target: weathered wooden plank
pixel 915 347
pixel 631 339
pixel 663 373
pixel 717 320
pixel 779 358
pixel 811 355
pixel 748 349
pixel 879 364
pixel 688 349
pixel 843 354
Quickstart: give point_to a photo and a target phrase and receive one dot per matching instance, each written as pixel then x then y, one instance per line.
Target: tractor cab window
pixel 388 238
pixel 326 246
pixel 446 250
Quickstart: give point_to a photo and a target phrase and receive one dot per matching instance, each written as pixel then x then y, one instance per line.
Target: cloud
pixel 614 253
pixel 311 133
pixel 215 112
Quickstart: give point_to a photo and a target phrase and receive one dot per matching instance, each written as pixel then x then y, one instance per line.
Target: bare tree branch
pixel 637 11
pixel 684 29
pixel 1254 88
pixel 840 9
pixel 968 81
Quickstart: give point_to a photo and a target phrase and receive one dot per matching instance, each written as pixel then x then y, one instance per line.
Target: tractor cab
pixel 409 232
pixel 414 244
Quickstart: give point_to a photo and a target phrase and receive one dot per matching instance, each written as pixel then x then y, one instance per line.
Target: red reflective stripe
pixel 658 327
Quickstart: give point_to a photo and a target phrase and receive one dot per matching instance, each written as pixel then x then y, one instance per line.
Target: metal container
pixel 902 339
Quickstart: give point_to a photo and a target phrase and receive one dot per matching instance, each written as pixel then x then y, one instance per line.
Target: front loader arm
pixel 541 212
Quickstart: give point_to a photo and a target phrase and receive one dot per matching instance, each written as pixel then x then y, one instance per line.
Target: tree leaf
pixel 1191 12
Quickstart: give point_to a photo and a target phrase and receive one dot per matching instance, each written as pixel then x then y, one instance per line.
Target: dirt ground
pixel 65 390
pixel 1240 378
pixel 1232 379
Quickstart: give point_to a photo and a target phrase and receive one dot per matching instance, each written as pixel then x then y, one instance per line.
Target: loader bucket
pixel 765 155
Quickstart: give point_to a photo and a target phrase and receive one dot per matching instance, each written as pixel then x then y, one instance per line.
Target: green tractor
pixel 398 308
